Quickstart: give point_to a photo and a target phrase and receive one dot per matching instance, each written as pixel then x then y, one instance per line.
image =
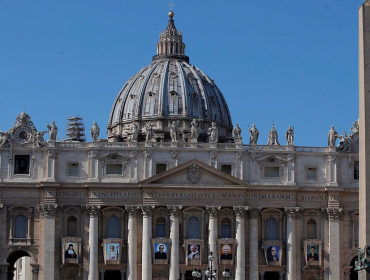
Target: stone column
pixel 262 275
pixel 334 243
pixel 281 275
pixel 240 252
pixel 253 242
pixel 4 271
pixel 132 211
pixel 364 122
pixel 175 211
pixel 123 276
pixel 49 211
pixel 212 231
pixel 146 268
pixel 102 271
pixel 93 211
pixel 35 270
pixel 292 214
pixel 182 272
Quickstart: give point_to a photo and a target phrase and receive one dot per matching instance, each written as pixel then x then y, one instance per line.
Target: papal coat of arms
pixel 193 173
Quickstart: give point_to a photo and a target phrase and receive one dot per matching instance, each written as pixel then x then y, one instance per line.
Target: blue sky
pixel 291 62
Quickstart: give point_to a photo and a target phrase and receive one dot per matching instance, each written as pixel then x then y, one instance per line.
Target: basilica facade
pixel 174 192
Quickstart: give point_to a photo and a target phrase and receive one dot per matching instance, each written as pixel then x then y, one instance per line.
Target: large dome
pixel 169 89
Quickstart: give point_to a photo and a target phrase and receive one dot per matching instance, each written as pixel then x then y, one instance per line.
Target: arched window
pixel 271 229
pixel 193 228
pixel 20 229
pixel 225 228
pixel 160 227
pixel 72 226
pixel 311 229
pixel 113 227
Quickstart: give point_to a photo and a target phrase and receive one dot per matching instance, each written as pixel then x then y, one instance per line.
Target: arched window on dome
pixel 20 227
pixel 173 106
pixel 225 228
pixel 193 228
pixel 72 226
pixel 150 104
pixel 113 227
pixel 271 229
pixel 311 229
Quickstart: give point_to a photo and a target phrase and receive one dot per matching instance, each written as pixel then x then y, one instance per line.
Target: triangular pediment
pixel 194 173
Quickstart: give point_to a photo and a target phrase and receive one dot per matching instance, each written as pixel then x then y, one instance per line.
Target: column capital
pixel 262 273
pixel 92 210
pixel 175 210
pixel 147 210
pixel 213 210
pixel 281 272
pixel 292 213
pixel 240 211
pixel 35 267
pixel 182 272
pixel 334 213
pixel 132 210
pixel 47 209
pixel 4 267
pixel 101 270
pixel 254 212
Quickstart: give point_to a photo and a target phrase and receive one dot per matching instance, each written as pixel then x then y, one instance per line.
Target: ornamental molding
pixel 132 210
pixel 114 157
pixel 334 213
pixel 175 210
pixel 254 212
pixel 271 160
pixel 147 210
pixel 47 209
pixel 93 210
pixel 194 173
pixel 213 211
pixel 293 213
pixel 240 211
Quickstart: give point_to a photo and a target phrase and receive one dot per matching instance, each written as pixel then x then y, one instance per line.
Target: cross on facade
pixel 171 5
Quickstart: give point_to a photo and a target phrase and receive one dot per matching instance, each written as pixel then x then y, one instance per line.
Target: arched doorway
pixel 12 259
pixel 354 275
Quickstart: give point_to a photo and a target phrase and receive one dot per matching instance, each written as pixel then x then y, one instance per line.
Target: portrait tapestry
pixel 161 248
pixel 273 252
pixel 71 248
pixel 193 251
pixel 112 249
pixel 312 251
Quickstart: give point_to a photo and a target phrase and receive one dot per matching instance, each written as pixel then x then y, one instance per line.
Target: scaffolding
pixel 75 130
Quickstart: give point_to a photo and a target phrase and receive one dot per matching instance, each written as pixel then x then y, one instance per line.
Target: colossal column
pixel 240 252
pixel 334 243
pixel 292 214
pixel 146 268
pixel 132 211
pixel 48 211
pixel 93 211
pixel 253 242
pixel 175 211
pixel 364 122
pixel 212 229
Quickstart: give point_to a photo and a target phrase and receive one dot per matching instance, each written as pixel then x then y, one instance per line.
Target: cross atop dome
pixel 171 14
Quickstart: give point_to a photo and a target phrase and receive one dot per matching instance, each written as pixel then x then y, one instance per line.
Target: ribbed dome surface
pixel 169 89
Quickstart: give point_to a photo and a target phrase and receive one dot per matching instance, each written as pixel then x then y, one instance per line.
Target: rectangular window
pixel 311 173
pixel 160 167
pixel 21 164
pixel 356 171
pixel 272 171
pixel 114 169
pixel 226 168
pixel 72 169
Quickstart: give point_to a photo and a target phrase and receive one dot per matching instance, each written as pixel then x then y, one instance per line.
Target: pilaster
pixel 253 242
pixel 334 215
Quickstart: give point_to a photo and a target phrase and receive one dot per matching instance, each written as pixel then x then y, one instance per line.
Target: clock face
pixel 23 134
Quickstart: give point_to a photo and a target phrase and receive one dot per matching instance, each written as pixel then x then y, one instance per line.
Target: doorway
pixel 271 275
pixel 353 275
pixel 22 264
pixel 112 275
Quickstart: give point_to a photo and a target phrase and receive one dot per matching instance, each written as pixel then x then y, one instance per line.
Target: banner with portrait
pixel 193 251
pixel 273 252
pixel 312 251
pixel 161 248
pixel 112 249
pixel 226 250
pixel 71 250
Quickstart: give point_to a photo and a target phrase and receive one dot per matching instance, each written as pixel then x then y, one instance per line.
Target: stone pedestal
pixel 253 242
pixel 93 211
pixel 132 211
pixel 212 230
pixel 240 212
pixel 146 268
pixel 48 211
pixel 334 243
pixel 175 211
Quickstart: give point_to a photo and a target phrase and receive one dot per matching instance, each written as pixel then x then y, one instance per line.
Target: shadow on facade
pixel 12 258
pixel 112 275
pixel 354 275
pixel 271 276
